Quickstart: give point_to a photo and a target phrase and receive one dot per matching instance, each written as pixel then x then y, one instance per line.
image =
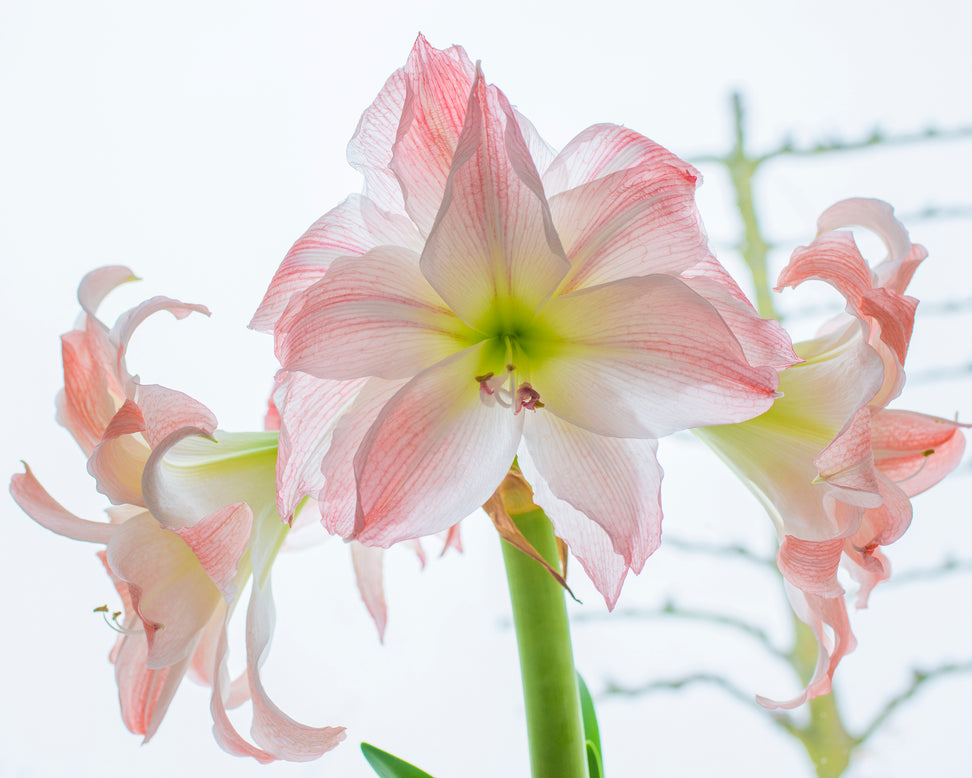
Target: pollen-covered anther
pixel 527 397
pixel 491 391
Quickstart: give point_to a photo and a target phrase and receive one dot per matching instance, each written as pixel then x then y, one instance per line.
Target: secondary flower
pixel 194 516
pixel 485 299
pixel 833 466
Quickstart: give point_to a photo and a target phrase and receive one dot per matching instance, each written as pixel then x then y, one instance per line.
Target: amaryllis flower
pixel 195 515
pixel 485 299
pixel 833 466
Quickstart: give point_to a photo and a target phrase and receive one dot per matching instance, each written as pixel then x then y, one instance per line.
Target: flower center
pixel 516 342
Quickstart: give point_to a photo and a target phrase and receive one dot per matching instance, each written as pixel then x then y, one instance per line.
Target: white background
pixel 194 141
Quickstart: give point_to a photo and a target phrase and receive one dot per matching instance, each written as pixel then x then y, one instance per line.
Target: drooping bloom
pixel 834 467
pixel 195 515
pixel 485 299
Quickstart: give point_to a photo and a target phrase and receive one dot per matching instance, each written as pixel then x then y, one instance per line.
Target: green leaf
pixel 388 766
pixel 591 733
pixel 594 761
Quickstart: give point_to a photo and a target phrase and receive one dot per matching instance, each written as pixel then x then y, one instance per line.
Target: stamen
pixel 114 623
pixel 926 453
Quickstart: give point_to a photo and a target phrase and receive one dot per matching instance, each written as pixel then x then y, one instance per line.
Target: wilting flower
pixel 833 466
pixel 485 299
pixel 194 517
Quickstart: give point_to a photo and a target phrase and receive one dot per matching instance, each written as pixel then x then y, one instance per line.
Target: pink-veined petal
pixel 541 152
pixel 367 563
pixel 96 285
pixel 34 500
pixel 614 482
pixel 604 149
pixel 847 463
pixel 117 465
pixel 170 589
pixel 453 540
pixel 223 730
pixel 352 228
pixel 272 728
pixel 166 410
pixel 429 122
pixel 889 316
pixel 92 390
pixel 129 321
pixel 764 341
pixel 338 498
pixel 218 543
pixel 144 694
pixel 914 450
pixel 370 316
pixel 310 409
pixel 493 237
pixel 624 206
pixel 897 269
pixel 880 526
pixel 118 460
pixel 811 565
pixel 821 614
pixel 434 455
pixel 644 357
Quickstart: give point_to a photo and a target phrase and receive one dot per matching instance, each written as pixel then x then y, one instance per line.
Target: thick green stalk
pixel 555 726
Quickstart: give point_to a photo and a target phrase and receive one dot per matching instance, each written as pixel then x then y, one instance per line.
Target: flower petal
pixel 367 572
pixel 129 321
pixel 338 498
pixel 353 228
pixel 429 115
pixel 190 475
pixel 820 614
pixel 223 730
pixel 310 409
pixel 96 285
pixel 166 410
pixel 272 729
pixel 34 500
pixel 903 258
pixel 92 390
pixel 171 591
pixel 613 482
pixel 218 543
pixel 644 357
pixel 374 315
pixel 436 430
pixel 624 206
pixel 775 453
pixel 764 341
pixel 143 693
pixel 493 237
pixel 914 450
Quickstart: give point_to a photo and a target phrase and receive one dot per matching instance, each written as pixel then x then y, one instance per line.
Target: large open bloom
pixel 485 299
pixel 834 467
pixel 194 518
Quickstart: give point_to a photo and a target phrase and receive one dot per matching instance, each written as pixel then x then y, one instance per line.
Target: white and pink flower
pixel 486 298
pixel 833 466
pixel 194 518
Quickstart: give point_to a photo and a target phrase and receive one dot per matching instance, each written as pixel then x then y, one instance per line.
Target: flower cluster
pixel 488 304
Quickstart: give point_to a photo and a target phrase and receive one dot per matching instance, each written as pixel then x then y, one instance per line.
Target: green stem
pixel 555 726
pixel 755 250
